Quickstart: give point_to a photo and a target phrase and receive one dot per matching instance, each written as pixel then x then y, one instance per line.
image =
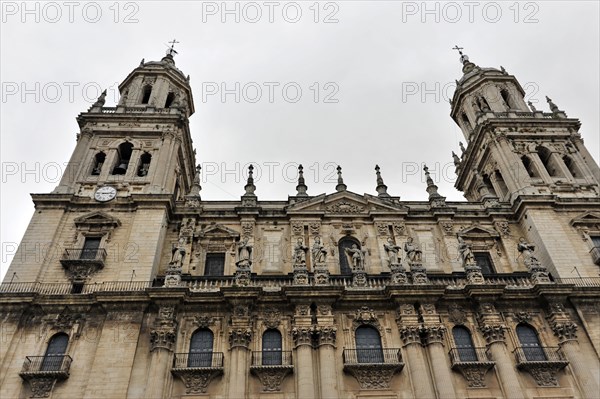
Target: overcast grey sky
pixel 375 78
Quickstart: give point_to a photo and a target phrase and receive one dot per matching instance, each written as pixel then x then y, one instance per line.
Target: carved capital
pixel 326 335
pixel 303 335
pixel 240 337
pixel 434 334
pixel 162 337
pixel 493 333
pixel 566 331
pixel 410 335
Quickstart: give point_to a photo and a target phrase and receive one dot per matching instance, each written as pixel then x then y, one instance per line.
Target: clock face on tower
pixel 105 193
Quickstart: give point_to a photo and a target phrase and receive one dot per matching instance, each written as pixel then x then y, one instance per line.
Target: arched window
pixel 271 348
pixel 346 242
pixel 532 349
pixel 170 98
pixel 572 166
pixel 146 94
pixel 144 165
pixel 201 348
pixel 55 352
pixel 531 171
pixel 368 345
pixel 488 184
pixel 506 98
pixel 464 344
pixel 124 155
pixel 99 159
pixel 546 158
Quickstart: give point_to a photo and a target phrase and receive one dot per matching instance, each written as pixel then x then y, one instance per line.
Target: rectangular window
pixel 596 241
pixel 215 264
pixel 484 261
pixel 90 248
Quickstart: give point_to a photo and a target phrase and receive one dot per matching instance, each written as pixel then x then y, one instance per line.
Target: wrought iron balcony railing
pixel 372 356
pixel 80 255
pixel 271 358
pixel 193 360
pixel 460 356
pixel 46 366
pixel 526 355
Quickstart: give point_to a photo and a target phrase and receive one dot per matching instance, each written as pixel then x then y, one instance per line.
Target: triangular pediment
pixel 346 203
pixel 474 232
pixel 97 219
pixel 586 219
pixel 217 230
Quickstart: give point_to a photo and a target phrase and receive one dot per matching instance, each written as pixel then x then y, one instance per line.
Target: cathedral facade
pixel 144 290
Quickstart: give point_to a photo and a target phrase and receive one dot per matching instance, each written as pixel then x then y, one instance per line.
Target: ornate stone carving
pixel 196 380
pixel 566 331
pixel 413 252
pixel 502 228
pixel 80 272
pixel 365 316
pixel 382 229
pixel 319 253
pixel 297 228
pixel 303 335
pixel 326 335
pixel 434 334
pixel 271 377
pixel 456 314
pixel 493 333
pixel 301 276
pixel 474 372
pixel 41 387
pixel 418 273
pixel 398 276
pixel 359 279
pixel 522 317
pixel 315 228
pixel 321 276
pixel 163 333
pixel 302 310
pixel 324 310
pixel 203 321
pixel 271 318
pixel 399 228
pixel 247 229
pixel 474 274
pixel 373 376
pixel 539 273
pixel 448 227
pixel 544 373
pixel 299 256
pixel 410 334
pixel 345 207
pixel 392 251
pixel 240 337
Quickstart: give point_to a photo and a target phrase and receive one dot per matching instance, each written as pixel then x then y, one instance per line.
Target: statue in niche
pixel 178 253
pixel 357 256
pixel 413 252
pixel 392 251
pixel 300 252
pixel 319 252
pixel 244 252
pixel 465 252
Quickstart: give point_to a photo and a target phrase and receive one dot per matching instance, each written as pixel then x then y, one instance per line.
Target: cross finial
pixel 340 186
pixel 463 57
pixel 459 49
pixel 172 50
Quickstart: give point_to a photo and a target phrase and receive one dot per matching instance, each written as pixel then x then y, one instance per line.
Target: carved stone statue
pixel 101 100
pixel 244 251
pixel 456 159
pixel 533 108
pixel 462 147
pixel 526 249
pixel 357 256
pixel 484 104
pixel 392 251
pixel 300 252
pixel 178 253
pixel 475 105
pixel 413 252
pixel 319 252
pixel 465 252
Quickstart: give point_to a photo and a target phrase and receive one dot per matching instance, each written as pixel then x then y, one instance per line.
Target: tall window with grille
pixel 368 345
pixel 464 344
pixel 484 261
pixel 201 348
pixel 90 248
pixel 271 348
pixel 55 352
pixel 532 349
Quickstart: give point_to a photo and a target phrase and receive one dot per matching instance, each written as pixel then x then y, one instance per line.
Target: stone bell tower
pixel 515 149
pixel 107 218
pixel 532 161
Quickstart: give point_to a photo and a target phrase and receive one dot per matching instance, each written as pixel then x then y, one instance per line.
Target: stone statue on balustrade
pixel 244 253
pixel 299 258
pixel 392 251
pixel 466 254
pixel 319 252
pixel 413 252
pixel 357 256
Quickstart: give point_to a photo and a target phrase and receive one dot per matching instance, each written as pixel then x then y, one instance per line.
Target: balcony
pixel 197 370
pixel 472 363
pixel 80 263
pixel 542 362
pixel 271 367
pixel 373 368
pixel 42 373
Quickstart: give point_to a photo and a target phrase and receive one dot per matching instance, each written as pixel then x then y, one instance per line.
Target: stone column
pixel 434 336
pixel 326 343
pixel 566 331
pixel 493 331
pixel 303 337
pixel 162 342
pixel 239 341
